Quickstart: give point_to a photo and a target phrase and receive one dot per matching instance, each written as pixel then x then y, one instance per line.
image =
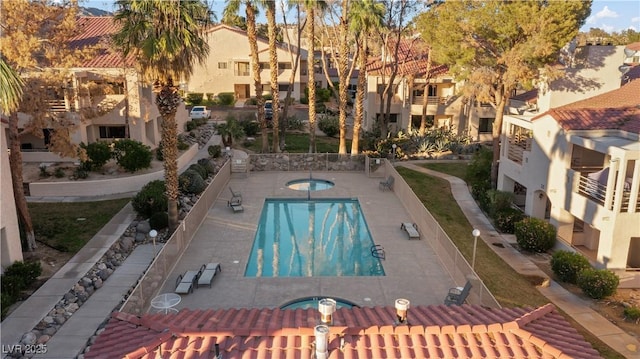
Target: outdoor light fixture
pixel 326 307
pixel 476 234
pixel 394 151
pixel 402 307
pixel 153 234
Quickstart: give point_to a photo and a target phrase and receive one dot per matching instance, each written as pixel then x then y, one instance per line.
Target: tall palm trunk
pixel 425 95
pixel 343 63
pixel 501 102
pixel 273 64
pixel 359 111
pixel 255 65
pixel 311 83
pixel 15 163
pixel 168 100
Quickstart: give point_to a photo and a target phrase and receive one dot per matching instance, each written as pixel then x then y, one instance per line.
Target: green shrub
pixel 27 271
pixel 190 125
pixel 207 165
pixel 226 98
pixel 479 171
pixel 294 124
pixel 159 220
pixel 632 313
pixel 59 172
pixel 80 173
pixel 209 96
pixel 191 182
pixel 535 235
pixel 6 301
pixel 159 154
pixel 500 200
pixel 151 199
pixel 98 153
pixel 214 151
pixel 329 125
pixel 132 155
pixel 44 172
pixel 597 283
pixel 566 265
pixel 507 218
pixel 250 127
pixel 251 101
pixel 323 95
pixel 321 107
pixel 304 100
pixel 201 170
pixel 195 98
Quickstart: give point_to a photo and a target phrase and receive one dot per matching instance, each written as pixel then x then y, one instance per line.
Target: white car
pixel 198 112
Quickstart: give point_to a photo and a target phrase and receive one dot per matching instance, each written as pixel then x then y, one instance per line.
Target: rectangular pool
pixel 322 237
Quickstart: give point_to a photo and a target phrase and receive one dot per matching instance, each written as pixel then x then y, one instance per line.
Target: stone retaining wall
pixel 306 162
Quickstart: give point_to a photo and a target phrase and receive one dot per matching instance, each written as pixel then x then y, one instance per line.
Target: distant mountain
pixel 92 11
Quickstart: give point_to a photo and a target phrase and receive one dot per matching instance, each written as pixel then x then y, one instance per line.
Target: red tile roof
pixel 411 61
pixel 237 30
pixel 635 46
pixel 368 332
pixel 97 31
pixel 615 110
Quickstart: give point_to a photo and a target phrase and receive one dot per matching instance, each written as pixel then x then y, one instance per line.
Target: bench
pixel 186 282
pixel 411 229
pixel 208 272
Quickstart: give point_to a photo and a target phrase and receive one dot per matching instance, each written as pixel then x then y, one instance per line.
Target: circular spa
pixel 310 184
pixel 312 302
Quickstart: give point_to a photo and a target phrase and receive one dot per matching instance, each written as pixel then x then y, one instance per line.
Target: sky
pixel 608 15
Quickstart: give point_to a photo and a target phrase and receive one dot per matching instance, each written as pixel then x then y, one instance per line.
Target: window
pixel 417 119
pixel 284 66
pixel 264 66
pixel 485 125
pixel 222 65
pixel 381 87
pixel 393 117
pixel 111 131
pixel 283 87
pixel 433 90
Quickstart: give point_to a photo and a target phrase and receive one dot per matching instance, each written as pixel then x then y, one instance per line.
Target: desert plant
pixel 80 173
pixel 201 170
pixel 507 218
pixel 632 313
pixel 214 151
pixel 44 171
pixel 151 199
pixel 597 283
pixel 250 127
pixel 294 124
pixel 195 98
pixel 329 125
pixel 230 130
pixel 159 220
pixel 182 145
pixel 132 155
pixel 190 125
pixel 566 265
pixel 98 154
pixel 535 235
pixel 499 201
pixel 27 271
pixel 251 101
pixel 59 172
pixel 191 182
pixel 479 169
pixel 207 165
pixel 226 98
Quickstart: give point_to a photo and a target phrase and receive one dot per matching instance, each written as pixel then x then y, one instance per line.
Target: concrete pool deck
pixel 413 271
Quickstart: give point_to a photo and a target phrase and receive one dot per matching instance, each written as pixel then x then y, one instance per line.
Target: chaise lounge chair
pixel 387 184
pixel 208 273
pixel 186 282
pixel 458 295
pixel 411 229
pixel 236 201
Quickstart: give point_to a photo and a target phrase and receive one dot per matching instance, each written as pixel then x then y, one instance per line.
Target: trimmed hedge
pixel 151 199
pixel 566 265
pixel 598 283
pixel 507 218
pixel 207 165
pixel 226 98
pixel 16 278
pixel 535 235
pixel 98 153
pixel 201 170
pixel 159 220
pixel 132 155
pixel 191 182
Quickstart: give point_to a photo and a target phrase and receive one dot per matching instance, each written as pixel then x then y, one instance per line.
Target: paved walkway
pixel 574 306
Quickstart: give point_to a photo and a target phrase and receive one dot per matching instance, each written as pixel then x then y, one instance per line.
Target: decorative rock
pixel 43 339
pixel 126 243
pixel 60 320
pixel 29 338
pixel 71 308
pixel 85 282
pixel 68 296
pixel 143 227
pixel 102 266
pixel 141 237
pixel 48 320
pixel 50 331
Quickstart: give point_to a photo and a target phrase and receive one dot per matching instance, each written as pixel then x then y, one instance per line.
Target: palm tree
pixel 365 15
pixel 425 95
pixel 233 6
pixel 11 85
pixel 273 64
pixel 167 38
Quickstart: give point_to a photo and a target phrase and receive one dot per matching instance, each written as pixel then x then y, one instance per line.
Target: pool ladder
pixel 377 251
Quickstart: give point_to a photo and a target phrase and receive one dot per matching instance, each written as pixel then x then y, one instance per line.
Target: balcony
pixel 596 191
pixel 60 105
pixel 517 146
pixel 431 100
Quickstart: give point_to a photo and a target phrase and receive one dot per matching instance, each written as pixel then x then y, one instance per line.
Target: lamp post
pixel 394 151
pixel 153 234
pixel 476 234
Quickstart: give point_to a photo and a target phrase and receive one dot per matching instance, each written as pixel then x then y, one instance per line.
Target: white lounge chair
pixel 411 229
pixel 208 272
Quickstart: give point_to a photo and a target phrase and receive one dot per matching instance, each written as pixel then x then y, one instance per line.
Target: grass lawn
pixel 299 143
pixel 60 225
pixel 454 169
pixel 509 287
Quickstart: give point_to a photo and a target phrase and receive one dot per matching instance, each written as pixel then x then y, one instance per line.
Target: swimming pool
pixel 310 238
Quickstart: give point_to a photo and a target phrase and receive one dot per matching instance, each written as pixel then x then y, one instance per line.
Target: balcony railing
pixel 597 192
pixel 517 145
pixel 60 105
pixel 242 73
pixel 431 100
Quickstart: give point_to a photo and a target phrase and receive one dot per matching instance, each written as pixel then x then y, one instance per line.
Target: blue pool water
pixel 312 303
pixel 322 237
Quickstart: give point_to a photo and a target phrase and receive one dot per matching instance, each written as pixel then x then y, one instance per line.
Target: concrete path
pixel 574 306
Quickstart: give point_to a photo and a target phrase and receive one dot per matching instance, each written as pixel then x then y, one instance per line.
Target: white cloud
pixel 606 13
pixel 635 19
pixel 607 28
pixel 591 20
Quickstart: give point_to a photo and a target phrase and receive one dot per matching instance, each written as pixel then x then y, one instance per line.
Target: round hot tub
pixel 312 302
pixel 309 184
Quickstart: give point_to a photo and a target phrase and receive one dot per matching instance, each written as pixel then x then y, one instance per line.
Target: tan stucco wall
pixel 230 47
pixel 10 247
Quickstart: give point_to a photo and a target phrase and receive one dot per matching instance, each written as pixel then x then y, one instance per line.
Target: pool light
pixel 326 307
pixel 402 307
